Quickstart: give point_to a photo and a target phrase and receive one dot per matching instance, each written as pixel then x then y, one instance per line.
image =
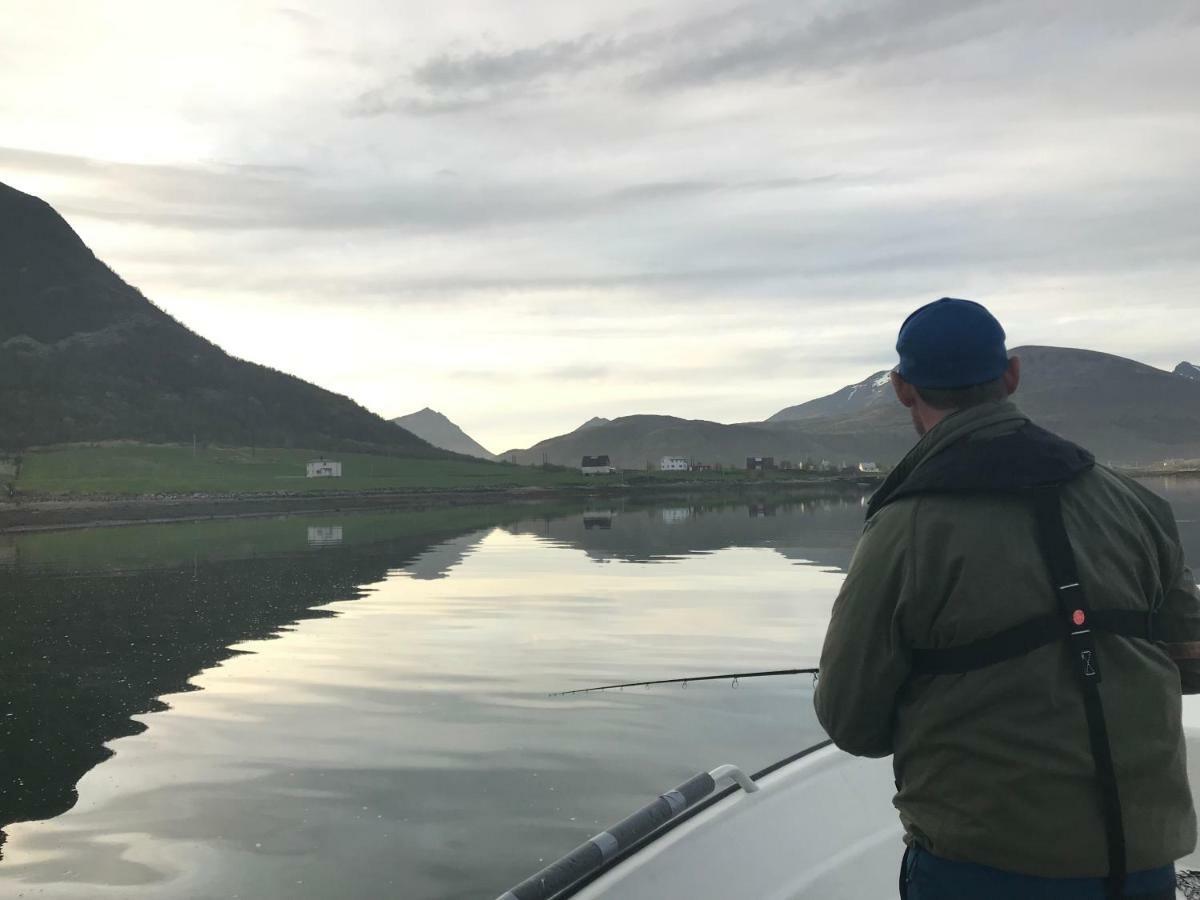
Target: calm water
pixel 356 706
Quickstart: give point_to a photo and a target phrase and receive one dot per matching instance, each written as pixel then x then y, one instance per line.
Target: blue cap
pixel 951 344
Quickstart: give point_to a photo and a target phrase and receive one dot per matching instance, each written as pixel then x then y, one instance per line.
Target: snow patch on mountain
pixel 1187 370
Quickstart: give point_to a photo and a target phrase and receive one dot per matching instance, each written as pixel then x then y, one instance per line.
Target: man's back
pixel 994 765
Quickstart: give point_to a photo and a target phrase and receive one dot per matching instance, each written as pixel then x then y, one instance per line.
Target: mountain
pixel 1124 411
pixel 1187 370
pixel 632 442
pixel 430 425
pixel 533 455
pixel 592 423
pixel 85 357
pixel 875 390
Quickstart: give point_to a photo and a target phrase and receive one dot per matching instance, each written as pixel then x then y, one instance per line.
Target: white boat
pixel 817 826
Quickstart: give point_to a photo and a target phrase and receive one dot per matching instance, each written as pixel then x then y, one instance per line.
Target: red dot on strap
pixel 1078 617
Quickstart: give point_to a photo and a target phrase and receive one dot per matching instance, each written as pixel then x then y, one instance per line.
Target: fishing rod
pixel 735 677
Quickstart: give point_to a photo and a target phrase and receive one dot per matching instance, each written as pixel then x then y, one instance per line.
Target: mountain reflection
pixel 101 624
pixel 411 721
pixel 95 632
pixel 816 528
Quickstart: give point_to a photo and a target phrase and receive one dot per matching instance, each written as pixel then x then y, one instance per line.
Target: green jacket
pixel 994 766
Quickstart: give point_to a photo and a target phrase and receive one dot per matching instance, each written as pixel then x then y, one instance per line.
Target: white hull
pixel 823 826
pixel 820 828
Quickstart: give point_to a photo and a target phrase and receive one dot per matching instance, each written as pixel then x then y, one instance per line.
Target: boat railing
pixel 570 874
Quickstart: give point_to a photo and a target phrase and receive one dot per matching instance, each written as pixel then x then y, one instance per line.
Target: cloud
pixel 446 73
pixel 766 39
pixel 598 197
pixel 780 39
pixel 580 372
pixel 453 82
pixel 673 190
pixel 254 196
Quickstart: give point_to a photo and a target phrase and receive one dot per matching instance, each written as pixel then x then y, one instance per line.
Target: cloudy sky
pixel 525 213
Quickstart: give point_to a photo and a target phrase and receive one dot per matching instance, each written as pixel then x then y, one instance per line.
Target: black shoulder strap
pixel 1039 631
pixel 1060 558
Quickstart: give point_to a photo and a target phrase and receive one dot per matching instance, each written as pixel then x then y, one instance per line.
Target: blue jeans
pixel 928 877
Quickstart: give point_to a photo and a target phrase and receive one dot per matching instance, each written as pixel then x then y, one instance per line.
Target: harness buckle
pixel 1083 647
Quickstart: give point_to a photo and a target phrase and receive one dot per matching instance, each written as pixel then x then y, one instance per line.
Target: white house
pixel 868 467
pixel 324 468
pixel 674 464
pixel 596 465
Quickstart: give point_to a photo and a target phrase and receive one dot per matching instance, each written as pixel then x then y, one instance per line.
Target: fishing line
pixel 735 677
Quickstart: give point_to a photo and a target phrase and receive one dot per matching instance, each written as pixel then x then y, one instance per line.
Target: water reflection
pixel 368 716
pixel 1184 494
pixel 673 515
pixel 817 529
pixel 603 520
pixel 324 535
pixel 98 626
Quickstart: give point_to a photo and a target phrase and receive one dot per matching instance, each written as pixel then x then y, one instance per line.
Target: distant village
pixel 602 465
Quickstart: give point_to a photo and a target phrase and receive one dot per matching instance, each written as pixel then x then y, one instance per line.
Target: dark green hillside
pixel 85 357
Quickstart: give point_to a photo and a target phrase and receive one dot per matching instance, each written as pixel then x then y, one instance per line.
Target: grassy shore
pixel 140 470
pixel 83 486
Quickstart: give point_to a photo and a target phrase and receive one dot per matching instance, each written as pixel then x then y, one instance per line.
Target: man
pixel 1014 628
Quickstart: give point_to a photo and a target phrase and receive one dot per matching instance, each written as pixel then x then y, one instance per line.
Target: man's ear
pixel 905 392
pixel 1012 375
